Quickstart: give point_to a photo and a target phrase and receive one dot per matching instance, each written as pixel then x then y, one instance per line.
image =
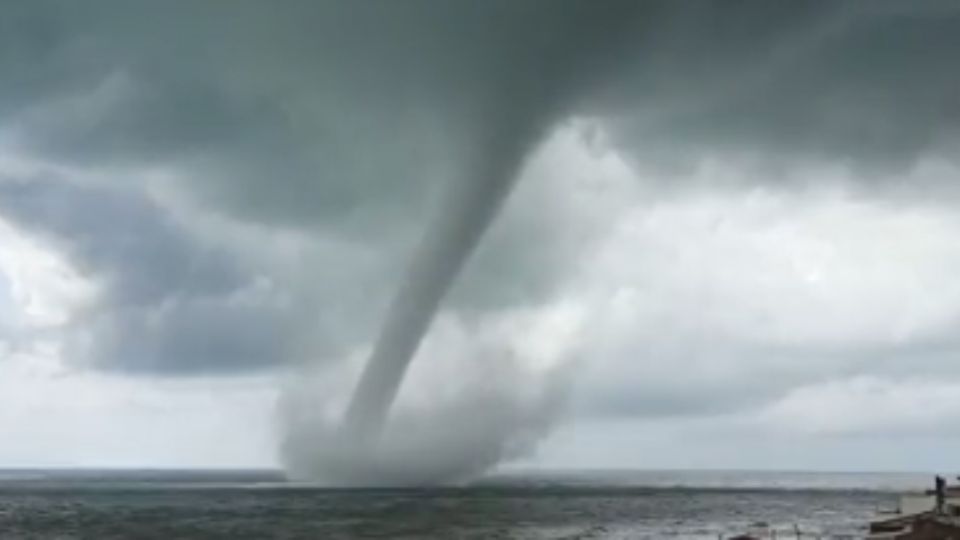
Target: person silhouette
pixel 940 490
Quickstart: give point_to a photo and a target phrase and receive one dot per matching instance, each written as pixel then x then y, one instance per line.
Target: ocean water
pixel 569 505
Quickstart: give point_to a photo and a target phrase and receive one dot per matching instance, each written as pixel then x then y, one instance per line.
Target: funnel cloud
pixel 445 248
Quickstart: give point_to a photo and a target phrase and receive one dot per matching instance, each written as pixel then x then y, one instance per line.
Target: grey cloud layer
pixel 342 120
pixel 168 301
pixel 861 82
pixel 333 102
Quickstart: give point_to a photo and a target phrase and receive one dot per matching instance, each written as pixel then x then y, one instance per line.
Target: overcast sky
pixel 734 242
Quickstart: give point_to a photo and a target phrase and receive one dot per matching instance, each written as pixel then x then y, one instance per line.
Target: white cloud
pixel 45 290
pixel 869 405
pixel 729 297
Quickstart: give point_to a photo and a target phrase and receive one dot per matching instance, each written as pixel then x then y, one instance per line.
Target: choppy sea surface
pixel 72 504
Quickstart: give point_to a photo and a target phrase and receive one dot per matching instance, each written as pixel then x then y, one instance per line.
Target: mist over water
pixel 463 413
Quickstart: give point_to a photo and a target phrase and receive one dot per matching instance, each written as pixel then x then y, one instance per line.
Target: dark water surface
pixel 611 505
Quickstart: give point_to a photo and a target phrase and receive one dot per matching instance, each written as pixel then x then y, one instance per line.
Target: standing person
pixel 941 489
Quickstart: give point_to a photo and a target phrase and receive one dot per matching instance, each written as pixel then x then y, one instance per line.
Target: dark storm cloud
pixel 346 112
pixel 865 83
pixel 300 111
pixel 168 301
pixel 122 237
pixel 343 118
pixel 304 110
